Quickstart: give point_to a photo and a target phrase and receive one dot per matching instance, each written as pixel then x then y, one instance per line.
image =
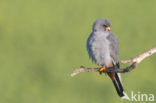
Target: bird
pixel 103 49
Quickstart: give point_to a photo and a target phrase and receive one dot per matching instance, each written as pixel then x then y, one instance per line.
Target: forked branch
pixel 133 61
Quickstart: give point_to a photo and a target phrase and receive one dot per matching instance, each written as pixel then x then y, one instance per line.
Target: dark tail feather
pixel 119 82
pixel 118 86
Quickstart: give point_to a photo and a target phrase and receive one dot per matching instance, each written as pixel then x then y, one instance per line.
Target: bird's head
pixel 101 25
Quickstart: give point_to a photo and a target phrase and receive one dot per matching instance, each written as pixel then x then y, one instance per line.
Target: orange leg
pixel 103 68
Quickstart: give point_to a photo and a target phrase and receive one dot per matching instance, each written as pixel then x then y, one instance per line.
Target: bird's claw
pixel 103 69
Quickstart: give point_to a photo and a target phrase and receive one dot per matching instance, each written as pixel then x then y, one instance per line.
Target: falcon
pixel 103 49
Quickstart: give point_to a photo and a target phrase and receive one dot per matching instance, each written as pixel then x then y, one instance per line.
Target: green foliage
pixel 42 41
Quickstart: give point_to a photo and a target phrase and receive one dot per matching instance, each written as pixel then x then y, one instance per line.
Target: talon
pixel 100 73
pixel 102 69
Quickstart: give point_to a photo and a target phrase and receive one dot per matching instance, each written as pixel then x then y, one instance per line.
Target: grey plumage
pixel 114 48
pixel 102 47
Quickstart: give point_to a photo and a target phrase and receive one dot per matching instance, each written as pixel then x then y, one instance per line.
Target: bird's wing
pixel 113 47
pixel 89 45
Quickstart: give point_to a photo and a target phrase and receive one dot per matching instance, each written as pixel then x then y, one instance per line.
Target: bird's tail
pixel 119 87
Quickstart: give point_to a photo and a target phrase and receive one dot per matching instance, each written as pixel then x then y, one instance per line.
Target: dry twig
pixel 133 61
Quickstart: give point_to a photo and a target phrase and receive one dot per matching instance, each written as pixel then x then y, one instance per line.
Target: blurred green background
pixel 42 41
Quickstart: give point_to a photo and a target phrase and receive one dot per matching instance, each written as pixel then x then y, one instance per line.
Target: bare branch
pixel 140 57
pixel 83 69
pixel 133 61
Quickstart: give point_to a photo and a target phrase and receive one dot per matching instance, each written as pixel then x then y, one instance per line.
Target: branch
pixel 140 57
pixel 133 61
pixel 83 69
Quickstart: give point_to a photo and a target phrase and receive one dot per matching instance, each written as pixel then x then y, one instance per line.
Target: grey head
pixel 101 25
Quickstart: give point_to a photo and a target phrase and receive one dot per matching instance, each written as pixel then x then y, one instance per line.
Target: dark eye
pixel 104 25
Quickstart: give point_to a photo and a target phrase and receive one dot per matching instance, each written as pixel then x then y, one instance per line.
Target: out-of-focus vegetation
pixel 42 41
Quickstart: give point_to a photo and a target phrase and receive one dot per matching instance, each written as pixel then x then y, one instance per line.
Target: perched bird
pixel 102 47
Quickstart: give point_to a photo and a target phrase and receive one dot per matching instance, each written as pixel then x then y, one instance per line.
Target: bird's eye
pixel 104 25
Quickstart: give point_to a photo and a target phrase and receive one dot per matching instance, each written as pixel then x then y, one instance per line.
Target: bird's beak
pixel 108 28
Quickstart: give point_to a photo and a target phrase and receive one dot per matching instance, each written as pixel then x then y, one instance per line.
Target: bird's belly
pixel 101 53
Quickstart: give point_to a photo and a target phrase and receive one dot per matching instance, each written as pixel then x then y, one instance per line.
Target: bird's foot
pixel 102 70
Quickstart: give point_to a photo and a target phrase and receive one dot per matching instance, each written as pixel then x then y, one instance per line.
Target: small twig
pixel 133 61
pixel 127 69
pixel 76 71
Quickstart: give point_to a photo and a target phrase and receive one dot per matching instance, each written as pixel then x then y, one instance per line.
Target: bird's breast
pixel 100 49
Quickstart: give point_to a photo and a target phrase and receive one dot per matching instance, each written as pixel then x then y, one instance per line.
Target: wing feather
pixel 89 46
pixel 114 47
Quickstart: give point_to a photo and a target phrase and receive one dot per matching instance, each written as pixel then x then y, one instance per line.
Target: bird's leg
pixel 102 69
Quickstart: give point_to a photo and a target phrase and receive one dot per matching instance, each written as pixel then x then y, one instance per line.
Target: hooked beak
pixel 108 28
